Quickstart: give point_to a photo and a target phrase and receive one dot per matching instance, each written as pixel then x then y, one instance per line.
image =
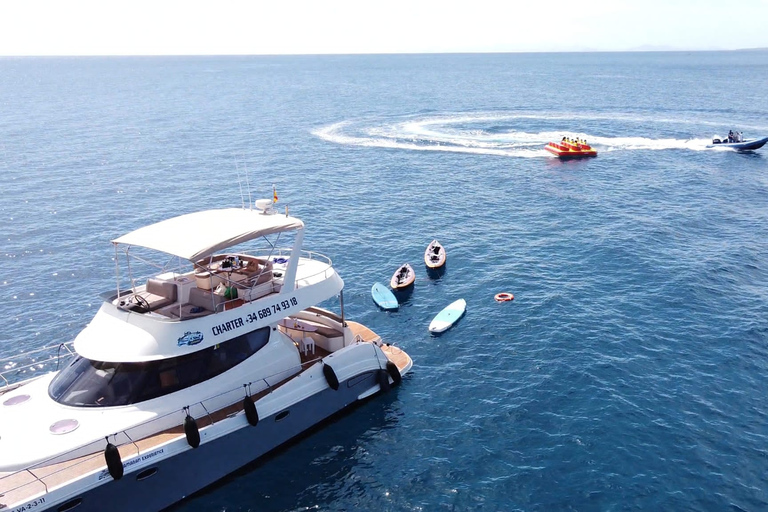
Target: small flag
pixel 274 194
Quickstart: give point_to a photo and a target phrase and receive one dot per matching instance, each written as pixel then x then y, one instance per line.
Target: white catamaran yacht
pixel 216 359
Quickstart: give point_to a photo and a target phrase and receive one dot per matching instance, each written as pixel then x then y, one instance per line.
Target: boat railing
pixel 33 360
pixel 282 255
pixel 324 312
pixel 277 257
pixel 257 288
pixel 216 410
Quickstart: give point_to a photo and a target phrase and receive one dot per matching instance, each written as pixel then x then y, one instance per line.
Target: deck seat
pixel 160 293
pixel 201 302
pixel 326 331
pixel 257 283
pixel 205 299
pixel 256 272
pixel 306 344
pixel 251 293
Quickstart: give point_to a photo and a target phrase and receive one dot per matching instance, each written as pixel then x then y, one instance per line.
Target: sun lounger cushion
pixel 160 293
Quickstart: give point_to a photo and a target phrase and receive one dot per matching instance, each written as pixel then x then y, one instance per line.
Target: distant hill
pixel 659 48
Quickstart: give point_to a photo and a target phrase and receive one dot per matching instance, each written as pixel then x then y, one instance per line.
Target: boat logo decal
pixel 190 338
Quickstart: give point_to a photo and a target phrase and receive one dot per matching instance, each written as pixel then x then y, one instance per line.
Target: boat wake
pixel 521 135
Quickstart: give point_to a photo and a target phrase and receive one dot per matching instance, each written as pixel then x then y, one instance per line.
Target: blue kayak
pixel 747 145
pixel 383 296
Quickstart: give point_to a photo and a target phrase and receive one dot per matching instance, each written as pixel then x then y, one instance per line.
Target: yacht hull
pixel 156 486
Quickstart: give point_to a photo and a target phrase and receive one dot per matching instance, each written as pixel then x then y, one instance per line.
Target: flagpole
pixel 274 194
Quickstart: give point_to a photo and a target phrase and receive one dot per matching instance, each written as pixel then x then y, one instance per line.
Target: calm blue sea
pixel 629 373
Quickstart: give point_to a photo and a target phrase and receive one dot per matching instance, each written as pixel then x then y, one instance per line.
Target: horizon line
pixel 641 49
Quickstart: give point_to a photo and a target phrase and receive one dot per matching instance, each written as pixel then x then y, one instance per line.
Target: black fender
pixel 330 376
pixel 114 463
pixel 251 414
pixel 382 376
pixel 191 431
pixel 394 373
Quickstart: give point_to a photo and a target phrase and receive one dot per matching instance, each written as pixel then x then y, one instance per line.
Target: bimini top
pixel 198 235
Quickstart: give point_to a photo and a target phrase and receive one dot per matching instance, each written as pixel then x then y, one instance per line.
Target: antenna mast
pixel 248 185
pixel 240 183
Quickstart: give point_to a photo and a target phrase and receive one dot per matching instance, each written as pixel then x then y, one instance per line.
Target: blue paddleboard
pixel 448 316
pixel 383 296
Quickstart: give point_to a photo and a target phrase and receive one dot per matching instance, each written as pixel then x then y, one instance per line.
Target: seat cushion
pixel 205 299
pixel 165 289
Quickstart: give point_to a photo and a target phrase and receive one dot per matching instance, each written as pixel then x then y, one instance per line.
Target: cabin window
pixel 87 383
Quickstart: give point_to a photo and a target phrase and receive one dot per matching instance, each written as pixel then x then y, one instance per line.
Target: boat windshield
pixel 87 383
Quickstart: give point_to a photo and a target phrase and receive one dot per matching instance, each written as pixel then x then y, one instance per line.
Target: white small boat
pixel 434 256
pixel 403 277
pixel 186 376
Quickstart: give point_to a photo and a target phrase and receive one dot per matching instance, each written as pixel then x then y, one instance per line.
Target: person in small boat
pixel 730 136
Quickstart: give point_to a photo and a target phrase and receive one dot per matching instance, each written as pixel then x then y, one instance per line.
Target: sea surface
pixel 629 372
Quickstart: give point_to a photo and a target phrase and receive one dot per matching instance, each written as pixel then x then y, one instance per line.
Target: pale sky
pixel 239 27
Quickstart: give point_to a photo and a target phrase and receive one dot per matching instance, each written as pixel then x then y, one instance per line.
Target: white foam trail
pixel 636 143
pixel 444 132
pixel 332 134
